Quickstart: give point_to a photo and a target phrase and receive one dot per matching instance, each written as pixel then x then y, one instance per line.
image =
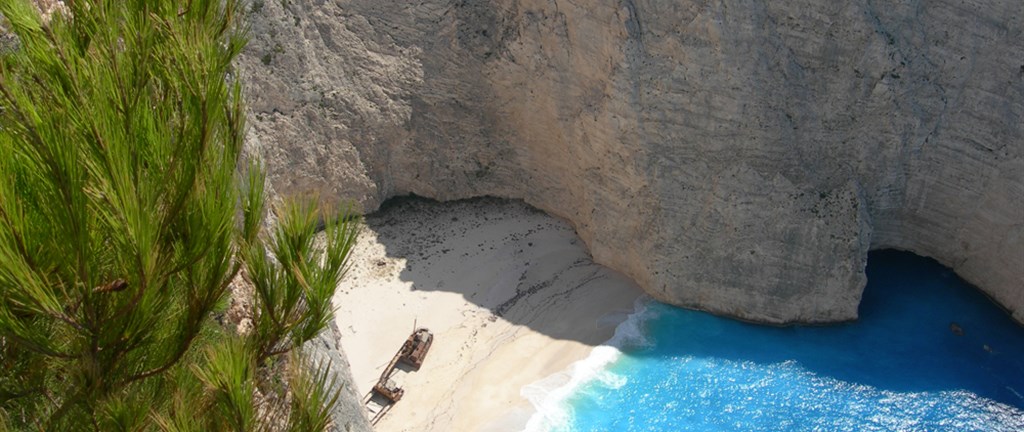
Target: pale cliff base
pixel 510 293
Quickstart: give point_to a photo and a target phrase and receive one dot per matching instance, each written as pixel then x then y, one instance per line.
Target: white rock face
pixel 734 157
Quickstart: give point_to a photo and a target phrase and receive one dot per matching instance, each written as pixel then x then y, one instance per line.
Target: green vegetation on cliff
pixel 124 218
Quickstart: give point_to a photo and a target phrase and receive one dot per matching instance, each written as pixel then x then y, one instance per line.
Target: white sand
pixel 510 293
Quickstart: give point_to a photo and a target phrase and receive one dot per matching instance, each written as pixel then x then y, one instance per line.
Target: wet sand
pixel 510 293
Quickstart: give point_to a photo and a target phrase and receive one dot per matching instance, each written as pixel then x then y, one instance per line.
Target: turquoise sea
pixel 929 353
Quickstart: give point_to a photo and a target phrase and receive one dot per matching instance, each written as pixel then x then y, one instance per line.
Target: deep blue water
pixel 899 367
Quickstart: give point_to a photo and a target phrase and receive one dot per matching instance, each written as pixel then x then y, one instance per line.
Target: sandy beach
pixel 510 293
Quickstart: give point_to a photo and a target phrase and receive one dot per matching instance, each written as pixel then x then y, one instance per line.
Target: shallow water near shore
pixel 929 352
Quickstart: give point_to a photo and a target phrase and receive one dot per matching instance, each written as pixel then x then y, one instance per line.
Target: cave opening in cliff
pixel 899 271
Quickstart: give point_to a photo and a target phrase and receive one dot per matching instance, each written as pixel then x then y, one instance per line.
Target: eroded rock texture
pixel 735 157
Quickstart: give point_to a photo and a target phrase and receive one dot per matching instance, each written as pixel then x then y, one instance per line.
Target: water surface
pixel 929 353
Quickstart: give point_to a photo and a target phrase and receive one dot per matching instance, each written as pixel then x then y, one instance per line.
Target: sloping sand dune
pixel 511 295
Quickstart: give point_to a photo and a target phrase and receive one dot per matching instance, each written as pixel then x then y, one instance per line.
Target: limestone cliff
pixel 735 157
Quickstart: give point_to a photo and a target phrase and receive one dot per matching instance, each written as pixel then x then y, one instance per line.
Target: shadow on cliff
pixel 921 329
pixel 519 263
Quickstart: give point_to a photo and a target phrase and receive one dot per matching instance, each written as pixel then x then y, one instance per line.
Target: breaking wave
pixel 550 395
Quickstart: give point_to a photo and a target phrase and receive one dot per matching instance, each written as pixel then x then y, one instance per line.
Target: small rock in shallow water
pixel 955 328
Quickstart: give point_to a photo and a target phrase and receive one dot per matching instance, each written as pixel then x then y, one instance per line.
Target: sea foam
pixel 549 396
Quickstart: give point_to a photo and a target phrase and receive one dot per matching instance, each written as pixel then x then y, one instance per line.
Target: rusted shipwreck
pixel 387 391
pixel 415 348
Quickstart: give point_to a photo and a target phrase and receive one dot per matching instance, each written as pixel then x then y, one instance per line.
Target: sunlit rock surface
pixel 733 157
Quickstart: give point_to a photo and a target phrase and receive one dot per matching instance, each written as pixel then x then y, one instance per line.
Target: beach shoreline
pixel 510 293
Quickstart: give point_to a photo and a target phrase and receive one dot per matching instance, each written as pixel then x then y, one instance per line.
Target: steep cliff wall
pixel 728 156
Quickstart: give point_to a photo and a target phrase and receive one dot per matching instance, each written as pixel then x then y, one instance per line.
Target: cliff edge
pixel 731 157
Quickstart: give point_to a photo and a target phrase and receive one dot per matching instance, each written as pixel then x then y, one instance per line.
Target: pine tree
pixel 125 213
